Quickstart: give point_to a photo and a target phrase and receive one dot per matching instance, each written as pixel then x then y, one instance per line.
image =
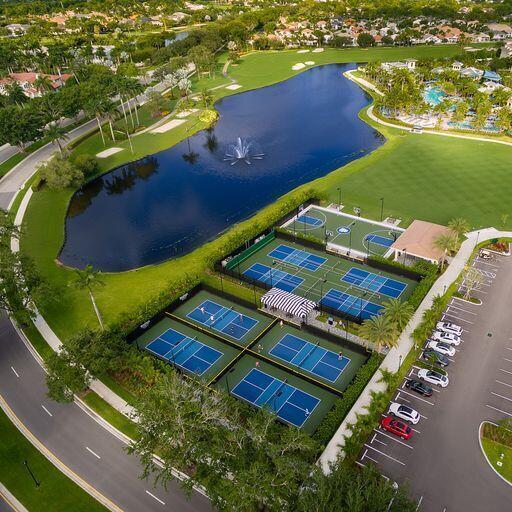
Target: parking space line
pixel 457 307
pixel 501 396
pixel 508 360
pixel 417 397
pixel 393 439
pixel 419 504
pixel 385 454
pixel 506 371
pixel 499 410
pixel 457 318
pixel 504 383
pixel 380 442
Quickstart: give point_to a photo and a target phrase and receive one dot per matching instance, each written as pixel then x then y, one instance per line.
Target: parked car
pixel 397 427
pixel 449 327
pixel 447 337
pixel 433 377
pixel 431 355
pixel 441 347
pixel 419 387
pixel 404 412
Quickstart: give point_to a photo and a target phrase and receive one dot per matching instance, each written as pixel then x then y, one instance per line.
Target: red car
pixel 397 427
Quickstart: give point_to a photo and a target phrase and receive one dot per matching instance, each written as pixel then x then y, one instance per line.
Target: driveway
pixel 442 463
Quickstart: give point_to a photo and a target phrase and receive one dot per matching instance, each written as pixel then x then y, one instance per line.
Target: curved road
pixel 87 448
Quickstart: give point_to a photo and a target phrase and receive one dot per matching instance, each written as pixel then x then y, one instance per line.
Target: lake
pixel 170 203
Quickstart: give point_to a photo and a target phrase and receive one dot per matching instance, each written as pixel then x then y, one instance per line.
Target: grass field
pixel 420 176
pixel 346 231
pixel 494 452
pixel 330 284
pixel 56 491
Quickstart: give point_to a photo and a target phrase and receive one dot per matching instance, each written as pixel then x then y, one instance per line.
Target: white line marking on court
pixel 506 371
pixel 155 498
pixel 47 411
pixel 385 454
pixel 417 397
pixel 501 396
pixel 15 372
pixel 90 451
pixel 393 439
pixel 504 383
pixel 499 410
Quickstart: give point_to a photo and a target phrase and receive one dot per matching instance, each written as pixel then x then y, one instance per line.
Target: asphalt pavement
pixel 78 440
pixel 442 463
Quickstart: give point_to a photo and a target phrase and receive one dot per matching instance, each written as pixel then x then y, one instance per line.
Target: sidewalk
pixel 391 362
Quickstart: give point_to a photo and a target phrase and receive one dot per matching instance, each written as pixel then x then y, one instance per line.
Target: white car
pixel 441 347
pixel 449 327
pixel 403 412
pixel 433 377
pixel 446 337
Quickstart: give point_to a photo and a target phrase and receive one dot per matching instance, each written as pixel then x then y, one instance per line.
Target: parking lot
pixel 441 462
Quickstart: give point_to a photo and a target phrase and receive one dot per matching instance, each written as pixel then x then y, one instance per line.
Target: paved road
pixel 442 463
pixel 6 151
pixel 76 439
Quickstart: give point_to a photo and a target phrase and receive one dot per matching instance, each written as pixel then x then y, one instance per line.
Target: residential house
pixel 28 82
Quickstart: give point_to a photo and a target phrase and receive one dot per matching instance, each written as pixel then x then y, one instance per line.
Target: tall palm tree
pixel 93 108
pixel 459 226
pixel 379 331
pixel 109 109
pixel 447 243
pixel 88 278
pixel 398 313
pixel 56 134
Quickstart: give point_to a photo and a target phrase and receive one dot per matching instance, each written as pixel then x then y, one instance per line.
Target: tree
pixel 60 173
pixel 20 125
pixel 89 278
pixel 398 313
pixel 378 330
pixel 460 112
pixel 56 134
pixel 206 98
pixel 365 40
pixel 64 377
pixel 459 226
pixel 471 279
pixel 156 103
pixel 87 164
pixel 447 243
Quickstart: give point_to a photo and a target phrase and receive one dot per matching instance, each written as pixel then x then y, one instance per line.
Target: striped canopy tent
pixel 288 302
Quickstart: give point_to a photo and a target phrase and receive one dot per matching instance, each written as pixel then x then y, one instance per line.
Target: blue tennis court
pixel 297 257
pixel 374 282
pixel 380 240
pixel 223 319
pixel 274 277
pixel 289 403
pixel 311 221
pixel 346 303
pixel 183 351
pixel 310 357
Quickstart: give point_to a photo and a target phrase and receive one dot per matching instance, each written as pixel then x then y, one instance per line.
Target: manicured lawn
pixel 494 451
pixel 56 491
pixel 420 176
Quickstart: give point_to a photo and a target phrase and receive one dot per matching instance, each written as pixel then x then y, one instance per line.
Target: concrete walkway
pixel 10 499
pixel 391 362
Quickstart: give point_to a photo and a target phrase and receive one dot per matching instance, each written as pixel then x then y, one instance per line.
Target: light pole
pixel 25 462
pixel 339 198
pixel 381 208
pixel 399 361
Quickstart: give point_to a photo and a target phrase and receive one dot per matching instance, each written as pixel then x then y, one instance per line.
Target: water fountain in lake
pixel 244 151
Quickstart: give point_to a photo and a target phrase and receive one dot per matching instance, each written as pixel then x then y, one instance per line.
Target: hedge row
pixel 421 267
pixel 299 235
pixel 342 405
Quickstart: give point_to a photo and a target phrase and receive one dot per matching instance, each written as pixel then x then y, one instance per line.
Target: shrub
pixel 61 173
pixel 87 164
pixel 342 405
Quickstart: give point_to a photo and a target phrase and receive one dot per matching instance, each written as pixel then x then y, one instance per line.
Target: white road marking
pixel 155 498
pixel 385 454
pixel 504 383
pixel 499 410
pixel 417 397
pixel 47 411
pixel 508 360
pixel 506 371
pixel 458 318
pixel 419 503
pixel 501 396
pixel 380 442
pixel 15 372
pixel 90 451
pixel 393 439
pixel 373 460
pixel 463 310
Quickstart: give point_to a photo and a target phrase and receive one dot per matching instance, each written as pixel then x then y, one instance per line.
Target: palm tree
pixel 109 109
pixel 379 331
pixel 447 243
pixel 88 278
pixel 459 226
pixel 56 134
pixel 206 97
pixel 93 108
pixel 398 313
